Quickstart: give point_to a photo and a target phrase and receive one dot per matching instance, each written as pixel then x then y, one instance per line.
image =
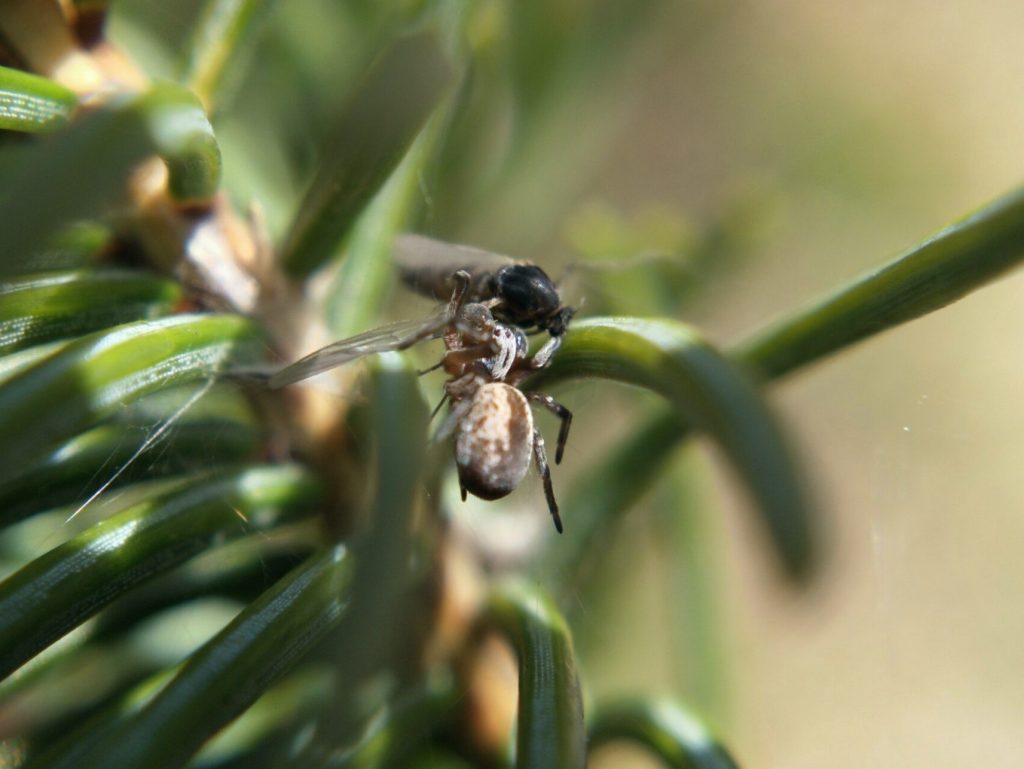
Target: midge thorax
pixel 518 293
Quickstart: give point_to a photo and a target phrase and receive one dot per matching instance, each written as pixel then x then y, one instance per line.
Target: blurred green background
pixel 867 126
pixel 726 161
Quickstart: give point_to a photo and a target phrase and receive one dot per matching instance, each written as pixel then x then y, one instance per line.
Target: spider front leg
pixel 559 411
pixel 541 460
pixel 543 356
pixel 455 305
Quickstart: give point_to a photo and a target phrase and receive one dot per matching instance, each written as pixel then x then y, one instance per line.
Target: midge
pixel 517 292
pixel 486 359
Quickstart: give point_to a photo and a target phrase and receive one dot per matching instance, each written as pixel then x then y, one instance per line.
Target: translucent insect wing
pixel 394 336
pixel 427 265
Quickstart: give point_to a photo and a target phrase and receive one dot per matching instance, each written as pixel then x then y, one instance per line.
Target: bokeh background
pixel 724 162
pixel 867 126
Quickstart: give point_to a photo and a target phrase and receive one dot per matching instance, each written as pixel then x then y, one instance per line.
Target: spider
pixel 486 359
pixel 490 415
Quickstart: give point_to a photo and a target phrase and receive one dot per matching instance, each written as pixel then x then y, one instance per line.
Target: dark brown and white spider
pixel 495 435
pixel 486 360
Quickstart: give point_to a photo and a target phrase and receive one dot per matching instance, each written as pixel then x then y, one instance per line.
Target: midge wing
pixel 393 336
pixel 427 265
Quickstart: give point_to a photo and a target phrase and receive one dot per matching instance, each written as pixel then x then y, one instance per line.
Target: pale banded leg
pixel 559 411
pixel 541 459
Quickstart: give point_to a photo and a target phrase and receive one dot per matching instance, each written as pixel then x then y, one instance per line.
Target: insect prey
pixel 517 292
pixel 493 303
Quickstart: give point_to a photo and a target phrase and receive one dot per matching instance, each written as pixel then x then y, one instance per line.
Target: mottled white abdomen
pixel 494 441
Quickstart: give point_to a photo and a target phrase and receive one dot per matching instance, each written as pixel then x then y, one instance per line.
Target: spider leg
pixel 559 411
pixel 545 353
pixel 437 408
pixel 460 407
pixel 459 294
pixel 455 305
pixel 435 367
pixel 541 459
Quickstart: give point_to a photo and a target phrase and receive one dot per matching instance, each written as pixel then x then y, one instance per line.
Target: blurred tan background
pixel 871 125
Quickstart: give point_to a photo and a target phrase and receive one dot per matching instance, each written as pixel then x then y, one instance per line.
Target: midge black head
pixel 526 295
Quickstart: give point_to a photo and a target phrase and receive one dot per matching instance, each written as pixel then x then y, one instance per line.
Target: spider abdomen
pixel 494 441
